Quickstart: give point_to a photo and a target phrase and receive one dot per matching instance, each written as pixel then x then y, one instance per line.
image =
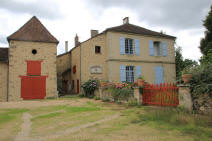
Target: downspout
pixel 80 67
pixel 8 74
pixel 8 82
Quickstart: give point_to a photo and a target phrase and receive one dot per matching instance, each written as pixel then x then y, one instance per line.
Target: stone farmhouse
pixel 28 66
pixel 31 69
pixel 118 54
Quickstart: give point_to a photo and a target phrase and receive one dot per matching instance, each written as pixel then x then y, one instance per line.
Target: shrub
pixel 105 99
pixel 81 95
pixel 132 102
pixel 96 98
pixel 89 87
pixel 121 93
pixel 201 81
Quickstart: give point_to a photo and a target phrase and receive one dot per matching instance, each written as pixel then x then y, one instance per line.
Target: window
pixel 34 51
pixel 157 50
pixel 97 49
pixel 129 74
pixel 74 69
pixel 128 46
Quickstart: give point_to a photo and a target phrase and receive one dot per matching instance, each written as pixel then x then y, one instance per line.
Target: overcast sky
pixel 66 18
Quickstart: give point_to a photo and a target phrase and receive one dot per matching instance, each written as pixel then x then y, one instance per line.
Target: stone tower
pixel 32 62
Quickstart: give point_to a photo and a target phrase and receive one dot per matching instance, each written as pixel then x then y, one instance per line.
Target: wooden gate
pixel 163 95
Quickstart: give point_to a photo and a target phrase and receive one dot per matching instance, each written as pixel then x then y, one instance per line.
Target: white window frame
pixel 129 46
pixel 157 46
pixel 130 74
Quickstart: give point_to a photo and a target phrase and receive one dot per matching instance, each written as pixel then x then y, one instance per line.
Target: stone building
pixel 121 54
pixel 28 68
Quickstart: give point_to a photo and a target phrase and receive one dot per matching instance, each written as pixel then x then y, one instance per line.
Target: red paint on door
pixel 77 86
pixel 33 67
pixel 33 87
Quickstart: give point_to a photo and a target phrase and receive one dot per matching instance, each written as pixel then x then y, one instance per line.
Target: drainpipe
pixel 8 78
pixel 80 67
pixel 8 73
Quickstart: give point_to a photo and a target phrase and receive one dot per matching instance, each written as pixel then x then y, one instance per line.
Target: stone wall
pixel 75 61
pixel 63 62
pixel 203 104
pixel 185 99
pixel 20 51
pixel 3 81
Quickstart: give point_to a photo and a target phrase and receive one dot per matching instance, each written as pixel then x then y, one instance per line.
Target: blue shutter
pixel 160 46
pixel 138 71
pixel 159 75
pixel 164 49
pixel 122 45
pixel 151 48
pixel 122 73
pixel 137 47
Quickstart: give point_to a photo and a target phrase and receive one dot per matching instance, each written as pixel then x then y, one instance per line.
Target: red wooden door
pixel 33 87
pixel 77 86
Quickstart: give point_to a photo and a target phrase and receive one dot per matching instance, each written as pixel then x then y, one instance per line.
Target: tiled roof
pixel 130 28
pixel 4 54
pixel 33 30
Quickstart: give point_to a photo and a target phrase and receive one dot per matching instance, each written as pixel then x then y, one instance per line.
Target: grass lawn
pixel 80 119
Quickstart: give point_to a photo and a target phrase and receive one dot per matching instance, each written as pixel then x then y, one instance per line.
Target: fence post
pixel 137 95
pixel 100 93
pixel 185 99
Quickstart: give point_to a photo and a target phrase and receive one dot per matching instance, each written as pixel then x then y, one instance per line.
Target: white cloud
pixel 81 16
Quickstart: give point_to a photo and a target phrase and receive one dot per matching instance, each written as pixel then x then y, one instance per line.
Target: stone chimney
pixel 66 46
pixel 76 40
pixel 126 20
pixel 94 33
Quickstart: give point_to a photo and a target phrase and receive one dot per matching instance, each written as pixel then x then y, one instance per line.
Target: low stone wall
pixel 203 104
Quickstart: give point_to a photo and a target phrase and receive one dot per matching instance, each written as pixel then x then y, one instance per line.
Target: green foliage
pixel 7 115
pixel 121 94
pixel 105 99
pixel 89 87
pixel 132 102
pixel 96 97
pixel 201 81
pixel 190 63
pixel 206 43
pixel 207 59
pixel 179 62
pixel 182 65
pixel 81 95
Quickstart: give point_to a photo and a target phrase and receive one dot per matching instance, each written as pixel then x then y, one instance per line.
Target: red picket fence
pixel 163 95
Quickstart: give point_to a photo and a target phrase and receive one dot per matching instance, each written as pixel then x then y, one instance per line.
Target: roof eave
pixel 9 39
pixel 166 36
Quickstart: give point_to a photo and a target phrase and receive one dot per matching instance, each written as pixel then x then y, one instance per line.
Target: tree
pixel 179 61
pixel 206 42
pixel 190 63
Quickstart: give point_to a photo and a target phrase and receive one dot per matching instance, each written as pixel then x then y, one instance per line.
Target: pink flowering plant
pixel 122 91
pixel 89 87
